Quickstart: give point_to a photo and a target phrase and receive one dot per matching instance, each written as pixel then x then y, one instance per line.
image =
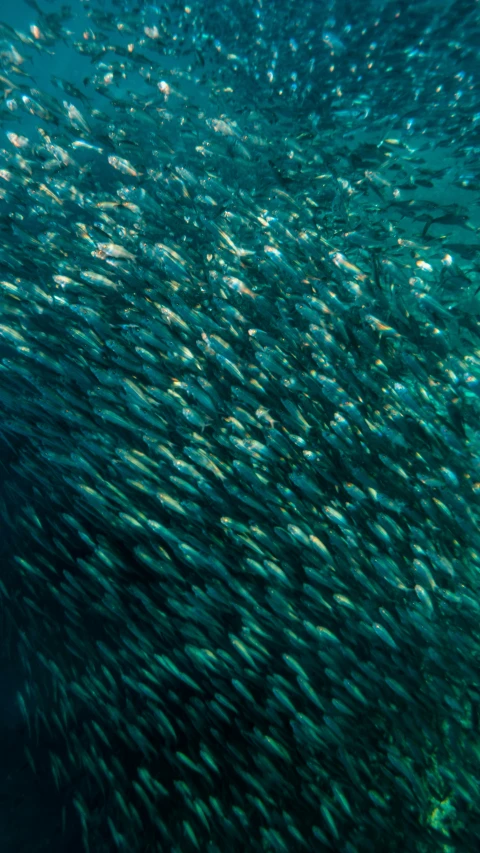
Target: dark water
pixel 31 806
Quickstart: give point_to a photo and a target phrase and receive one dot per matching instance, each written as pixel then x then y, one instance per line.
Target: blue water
pixel 36 816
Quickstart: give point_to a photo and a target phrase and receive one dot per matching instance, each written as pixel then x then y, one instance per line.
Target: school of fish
pixel 239 389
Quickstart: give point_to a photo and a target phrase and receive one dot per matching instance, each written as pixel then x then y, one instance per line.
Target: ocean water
pixel 239 409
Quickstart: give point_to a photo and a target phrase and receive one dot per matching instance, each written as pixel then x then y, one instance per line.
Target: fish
pixel 239 361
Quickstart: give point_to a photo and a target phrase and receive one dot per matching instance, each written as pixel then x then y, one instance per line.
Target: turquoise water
pixel 239 410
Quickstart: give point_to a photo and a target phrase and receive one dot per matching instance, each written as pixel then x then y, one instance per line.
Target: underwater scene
pixel 240 426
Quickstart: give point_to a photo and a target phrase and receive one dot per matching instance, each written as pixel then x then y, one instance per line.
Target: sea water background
pixel 30 807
